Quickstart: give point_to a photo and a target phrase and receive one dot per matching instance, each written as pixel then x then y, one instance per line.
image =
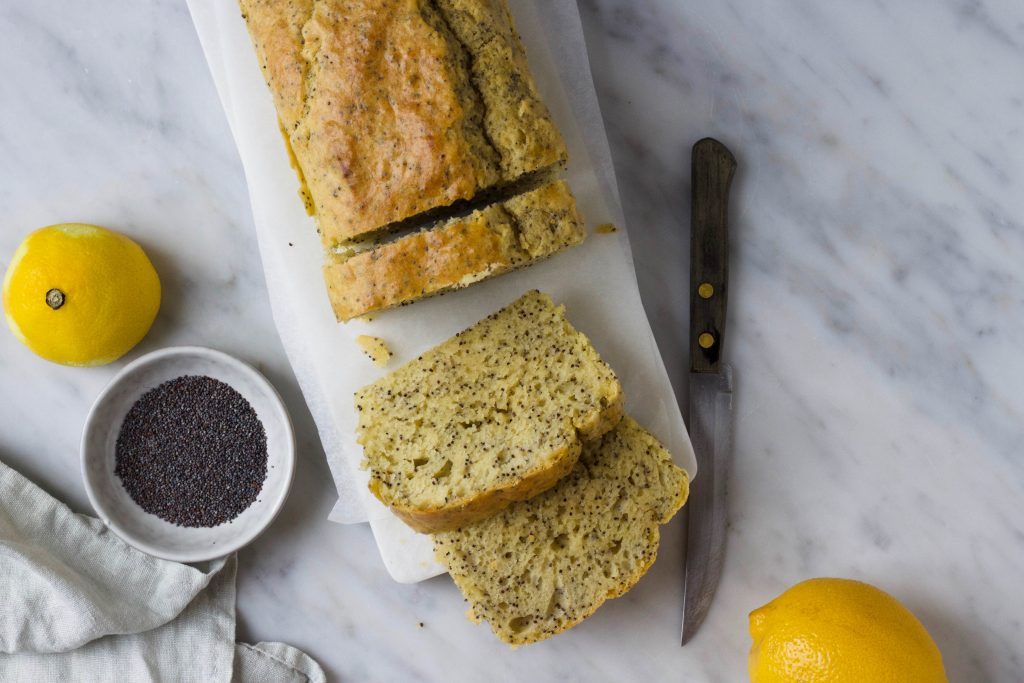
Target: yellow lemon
pixel 80 294
pixel 840 631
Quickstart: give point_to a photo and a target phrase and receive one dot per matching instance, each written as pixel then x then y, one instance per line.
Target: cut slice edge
pixel 531 484
pixel 499 563
pixel 490 241
pixel 384 426
pixel 487 503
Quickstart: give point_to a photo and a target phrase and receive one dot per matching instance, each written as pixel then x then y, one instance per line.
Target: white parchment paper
pixel 595 281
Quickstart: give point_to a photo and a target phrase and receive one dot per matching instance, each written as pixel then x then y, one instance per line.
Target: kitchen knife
pixel 710 393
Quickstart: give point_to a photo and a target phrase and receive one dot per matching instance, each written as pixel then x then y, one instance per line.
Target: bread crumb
pixel 499 407
pixel 375 348
pixel 606 229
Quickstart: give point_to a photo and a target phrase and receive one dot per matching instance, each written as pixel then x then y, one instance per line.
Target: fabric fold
pixel 77 578
pixel 80 604
pixel 274 663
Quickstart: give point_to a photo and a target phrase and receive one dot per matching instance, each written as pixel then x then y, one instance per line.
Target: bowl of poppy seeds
pixel 188 454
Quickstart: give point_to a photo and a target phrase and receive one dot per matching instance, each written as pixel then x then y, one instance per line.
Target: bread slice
pixel 494 415
pixel 543 565
pixel 488 242
pixel 390 114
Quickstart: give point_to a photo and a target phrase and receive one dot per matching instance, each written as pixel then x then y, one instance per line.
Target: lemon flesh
pixel 80 294
pixel 840 631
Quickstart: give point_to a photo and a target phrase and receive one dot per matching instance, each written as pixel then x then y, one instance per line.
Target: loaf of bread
pixel 395 108
pixel 496 414
pixel 488 242
pixel 541 566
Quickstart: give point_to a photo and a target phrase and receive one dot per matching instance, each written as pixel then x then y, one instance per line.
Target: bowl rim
pixel 287 459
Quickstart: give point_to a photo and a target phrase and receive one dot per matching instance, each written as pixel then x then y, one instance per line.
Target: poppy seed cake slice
pixel 543 565
pixel 494 415
pixel 491 241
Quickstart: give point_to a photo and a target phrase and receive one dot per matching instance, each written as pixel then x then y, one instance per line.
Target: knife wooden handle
pixel 712 173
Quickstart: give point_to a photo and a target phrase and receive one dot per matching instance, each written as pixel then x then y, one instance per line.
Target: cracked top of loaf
pixel 394 108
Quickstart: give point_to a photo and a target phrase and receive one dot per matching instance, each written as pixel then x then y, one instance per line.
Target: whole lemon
pixel 80 294
pixel 840 631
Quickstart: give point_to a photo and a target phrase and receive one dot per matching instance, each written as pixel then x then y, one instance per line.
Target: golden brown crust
pixel 487 243
pixel 517 121
pixel 384 110
pixel 417 265
pixel 459 513
pixel 276 29
pixel 390 128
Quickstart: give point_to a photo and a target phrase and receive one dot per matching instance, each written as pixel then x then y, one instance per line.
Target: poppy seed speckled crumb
pixel 543 565
pixel 493 415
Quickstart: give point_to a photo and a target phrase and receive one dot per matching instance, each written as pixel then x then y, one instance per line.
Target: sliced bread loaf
pixel 541 566
pixel 393 108
pixel 494 415
pixel 455 254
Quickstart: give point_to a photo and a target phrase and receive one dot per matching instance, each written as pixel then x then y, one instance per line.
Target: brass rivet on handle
pixel 706 340
pixel 706 290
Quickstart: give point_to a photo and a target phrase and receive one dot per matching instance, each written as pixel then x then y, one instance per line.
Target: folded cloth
pixel 80 604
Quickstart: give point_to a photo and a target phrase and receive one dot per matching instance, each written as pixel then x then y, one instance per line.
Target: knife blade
pixel 710 390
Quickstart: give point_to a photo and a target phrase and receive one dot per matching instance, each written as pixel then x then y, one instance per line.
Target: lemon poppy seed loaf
pixel 490 241
pixel 396 108
pixel 496 414
pixel 540 566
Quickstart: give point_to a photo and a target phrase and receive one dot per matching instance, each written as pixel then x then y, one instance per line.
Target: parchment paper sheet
pixel 595 281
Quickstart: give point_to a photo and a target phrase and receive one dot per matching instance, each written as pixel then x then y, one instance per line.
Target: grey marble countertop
pixel 876 314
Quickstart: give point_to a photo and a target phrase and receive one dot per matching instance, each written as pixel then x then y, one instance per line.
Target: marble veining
pixel 876 317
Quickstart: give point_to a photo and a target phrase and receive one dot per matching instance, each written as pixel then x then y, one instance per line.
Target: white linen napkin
pixel 80 604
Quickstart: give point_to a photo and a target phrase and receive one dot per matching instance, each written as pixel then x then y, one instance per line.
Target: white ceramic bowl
pixel 146 531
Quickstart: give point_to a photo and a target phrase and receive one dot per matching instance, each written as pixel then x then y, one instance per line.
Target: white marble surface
pixel 875 322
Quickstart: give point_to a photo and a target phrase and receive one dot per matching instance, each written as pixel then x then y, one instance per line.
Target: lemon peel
pixel 840 631
pixel 80 294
